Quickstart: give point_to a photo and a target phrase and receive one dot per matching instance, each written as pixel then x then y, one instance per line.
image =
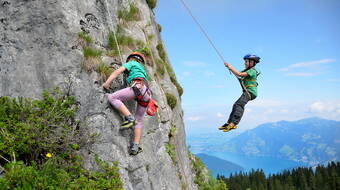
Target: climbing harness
pixel 151 105
pixel 139 96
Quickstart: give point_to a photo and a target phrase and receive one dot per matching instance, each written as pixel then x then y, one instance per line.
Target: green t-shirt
pixel 134 70
pixel 250 81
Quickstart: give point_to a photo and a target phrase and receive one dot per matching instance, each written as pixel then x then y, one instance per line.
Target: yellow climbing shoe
pixel 230 127
pixel 224 126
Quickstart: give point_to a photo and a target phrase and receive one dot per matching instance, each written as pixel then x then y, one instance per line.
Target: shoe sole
pixel 139 151
pixel 227 130
pixel 223 127
pixel 126 126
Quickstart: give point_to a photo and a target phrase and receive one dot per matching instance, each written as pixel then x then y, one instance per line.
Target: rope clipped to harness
pixel 151 105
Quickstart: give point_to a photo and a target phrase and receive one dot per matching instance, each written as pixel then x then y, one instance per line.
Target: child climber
pixel 247 78
pixel 138 90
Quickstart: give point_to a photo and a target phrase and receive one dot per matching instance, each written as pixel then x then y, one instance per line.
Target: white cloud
pixel 323 107
pixel 326 109
pixel 310 63
pixel 305 65
pixel 220 115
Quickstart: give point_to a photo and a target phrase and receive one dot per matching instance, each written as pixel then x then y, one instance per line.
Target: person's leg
pixel 116 101
pixel 238 110
pixel 140 112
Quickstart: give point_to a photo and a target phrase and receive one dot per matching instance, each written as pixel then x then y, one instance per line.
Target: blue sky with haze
pixel 298 41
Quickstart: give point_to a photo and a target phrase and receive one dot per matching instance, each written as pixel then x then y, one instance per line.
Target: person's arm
pixel 235 72
pixel 114 75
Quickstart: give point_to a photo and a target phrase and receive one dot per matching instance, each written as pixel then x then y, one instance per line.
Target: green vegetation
pixel 171 99
pixel 104 71
pixel 170 149
pixel 159 27
pixel 91 52
pixel 152 3
pixel 319 178
pixel 38 143
pixel 83 36
pixel 123 41
pixel 178 86
pixel 173 79
pixel 172 131
pixel 32 128
pixel 202 178
pixel 144 50
pixel 54 175
pixel 91 63
pixel 161 52
pixel 160 66
pixel 130 14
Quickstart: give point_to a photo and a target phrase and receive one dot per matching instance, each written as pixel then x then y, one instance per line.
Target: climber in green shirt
pixel 248 81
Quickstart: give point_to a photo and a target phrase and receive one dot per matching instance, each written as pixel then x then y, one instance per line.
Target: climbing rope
pixel 114 33
pixel 202 29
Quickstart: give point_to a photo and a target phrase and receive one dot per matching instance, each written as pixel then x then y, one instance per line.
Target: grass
pixel 130 14
pixel 173 131
pixel 171 99
pixel 91 63
pixel 91 52
pixel 178 86
pixel 104 71
pixel 152 3
pixel 170 149
pixel 159 27
pixel 160 66
pixel 83 36
pixel 144 50
pixel 124 41
pixel 161 51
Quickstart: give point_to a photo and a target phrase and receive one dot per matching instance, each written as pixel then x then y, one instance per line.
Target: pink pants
pixel 126 94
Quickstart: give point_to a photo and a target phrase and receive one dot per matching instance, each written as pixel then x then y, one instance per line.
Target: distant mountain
pixel 219 166
pixel 311 141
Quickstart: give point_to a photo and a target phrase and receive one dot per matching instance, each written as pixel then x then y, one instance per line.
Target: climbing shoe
pixel 128 123
pixel 135 149
pixel 230 127
pixel 224 126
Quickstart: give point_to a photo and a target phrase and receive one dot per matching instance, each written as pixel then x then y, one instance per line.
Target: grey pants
pixel 238 108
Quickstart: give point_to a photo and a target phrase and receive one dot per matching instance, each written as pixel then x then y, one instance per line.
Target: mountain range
pixel 309 142
pixel 219 166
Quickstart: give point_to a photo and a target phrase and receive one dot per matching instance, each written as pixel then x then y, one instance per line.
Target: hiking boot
pixel 230 127
pixel 129 122
pixel 224 126
pixel 135 149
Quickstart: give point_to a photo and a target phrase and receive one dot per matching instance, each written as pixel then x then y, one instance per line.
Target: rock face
pixel 39 51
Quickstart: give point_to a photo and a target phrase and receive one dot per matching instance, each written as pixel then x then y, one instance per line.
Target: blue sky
pixel 298 42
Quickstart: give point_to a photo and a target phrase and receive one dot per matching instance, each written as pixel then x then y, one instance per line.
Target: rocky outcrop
pixel 39 50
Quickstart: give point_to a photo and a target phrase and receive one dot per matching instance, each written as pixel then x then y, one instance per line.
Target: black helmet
pixel 252 57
